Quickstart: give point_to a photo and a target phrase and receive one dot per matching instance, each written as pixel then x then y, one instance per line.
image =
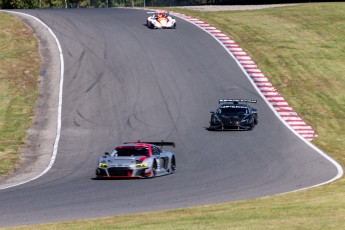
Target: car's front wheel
pixel 150 25
pixel 98 173
pixel 154 169
pixel 252 125
pixel 213 121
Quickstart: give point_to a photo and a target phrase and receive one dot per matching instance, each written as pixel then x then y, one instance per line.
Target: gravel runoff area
pixel 232 7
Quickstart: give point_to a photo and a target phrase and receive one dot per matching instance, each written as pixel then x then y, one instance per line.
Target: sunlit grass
pixel 19 68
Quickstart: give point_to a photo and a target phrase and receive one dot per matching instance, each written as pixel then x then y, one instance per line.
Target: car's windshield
pixel 130 151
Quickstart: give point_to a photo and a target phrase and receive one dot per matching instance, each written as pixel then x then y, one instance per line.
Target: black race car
pixel 234 114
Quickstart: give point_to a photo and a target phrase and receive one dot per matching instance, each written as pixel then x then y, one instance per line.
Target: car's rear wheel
pixel 173 164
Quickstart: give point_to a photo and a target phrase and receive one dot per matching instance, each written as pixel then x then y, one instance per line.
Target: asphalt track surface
pixel 125 82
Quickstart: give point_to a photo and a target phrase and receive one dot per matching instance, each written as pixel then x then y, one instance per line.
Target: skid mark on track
pixel 94 83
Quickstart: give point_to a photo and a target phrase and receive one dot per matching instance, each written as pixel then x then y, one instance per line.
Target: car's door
pixel 162 160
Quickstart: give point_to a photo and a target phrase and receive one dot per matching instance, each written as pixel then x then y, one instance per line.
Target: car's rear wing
pixel 235 101
pixel 166 13
pixel 158 143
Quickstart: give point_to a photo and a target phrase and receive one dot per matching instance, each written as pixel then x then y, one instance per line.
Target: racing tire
pixel 211 128
pixel 150 25
pixel 251 127
pixel 173 165
pixel 154 169
pixel 98 174
pixel 212 122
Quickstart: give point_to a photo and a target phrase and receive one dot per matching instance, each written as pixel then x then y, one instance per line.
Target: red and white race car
pixel 137 160
pixel 160 20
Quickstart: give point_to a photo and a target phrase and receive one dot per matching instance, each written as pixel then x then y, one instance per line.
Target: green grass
pixel 301 49
pixel 19 67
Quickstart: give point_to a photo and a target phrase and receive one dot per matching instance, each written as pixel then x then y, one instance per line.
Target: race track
pixel 125 82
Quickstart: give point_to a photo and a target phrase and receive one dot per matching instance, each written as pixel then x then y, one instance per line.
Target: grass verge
pixel 301 49
pixel 19 68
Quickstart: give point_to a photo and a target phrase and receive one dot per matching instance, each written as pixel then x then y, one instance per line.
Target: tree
pixel 19 4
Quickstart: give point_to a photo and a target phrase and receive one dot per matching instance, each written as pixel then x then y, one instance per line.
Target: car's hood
pixel 118 161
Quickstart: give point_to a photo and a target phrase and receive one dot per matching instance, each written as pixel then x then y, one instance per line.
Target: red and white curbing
pixel 260 80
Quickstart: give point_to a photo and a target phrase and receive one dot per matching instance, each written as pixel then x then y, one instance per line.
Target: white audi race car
pixel 137 160
pixel 160 20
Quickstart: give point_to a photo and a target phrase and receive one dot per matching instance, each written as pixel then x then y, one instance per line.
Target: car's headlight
pixel 141 165
pixel 102 165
